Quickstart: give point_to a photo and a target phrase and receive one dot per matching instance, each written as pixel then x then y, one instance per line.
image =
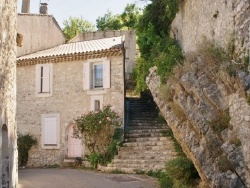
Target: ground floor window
pixel 50 131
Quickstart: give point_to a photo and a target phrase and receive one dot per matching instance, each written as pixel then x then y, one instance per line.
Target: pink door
pixel 74 144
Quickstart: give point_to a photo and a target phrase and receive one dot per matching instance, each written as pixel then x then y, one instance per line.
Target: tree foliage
pixel 156 46
pixel 127 20
pixel 109 22
pixel 75 25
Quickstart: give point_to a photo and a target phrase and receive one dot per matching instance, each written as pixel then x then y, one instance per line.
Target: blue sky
pixel 88 9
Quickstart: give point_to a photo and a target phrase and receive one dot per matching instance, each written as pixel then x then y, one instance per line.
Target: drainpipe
pixel 125 113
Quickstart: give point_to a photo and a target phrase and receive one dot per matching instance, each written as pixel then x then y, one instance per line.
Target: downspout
pixel 125 114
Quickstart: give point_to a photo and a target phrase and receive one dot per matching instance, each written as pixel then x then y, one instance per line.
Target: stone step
pixel 144 153
pixel 145 157
pixel 147 143
pixel 144 131
pixel 147 148
pixel 146 166
pixel 145 139
pixel 140 127
pixel 146 121
pixel 115 169
pixel 143 135
pixel 138 161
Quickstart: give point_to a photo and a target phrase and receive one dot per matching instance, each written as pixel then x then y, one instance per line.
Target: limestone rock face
pixel 8 149
pixel 198 99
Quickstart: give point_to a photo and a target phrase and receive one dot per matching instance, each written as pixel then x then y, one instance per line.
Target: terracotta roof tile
pixel 78 48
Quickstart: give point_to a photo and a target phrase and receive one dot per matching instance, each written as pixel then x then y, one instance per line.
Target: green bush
pixel 24 144
pixel 101 133
pixel 181 169
pixel 94 159
pixel 98 127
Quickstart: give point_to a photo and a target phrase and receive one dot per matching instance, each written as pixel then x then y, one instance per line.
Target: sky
pixel 87 9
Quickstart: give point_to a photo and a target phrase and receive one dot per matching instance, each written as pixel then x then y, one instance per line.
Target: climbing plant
pixel 156 46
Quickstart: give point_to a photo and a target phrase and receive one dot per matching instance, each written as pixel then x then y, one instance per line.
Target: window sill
pixel 43 94
pixel 96 91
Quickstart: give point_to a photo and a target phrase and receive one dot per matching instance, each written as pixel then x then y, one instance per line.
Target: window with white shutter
pixel 44 80
pixel 96 74
pixel 106 73
pixel 50 131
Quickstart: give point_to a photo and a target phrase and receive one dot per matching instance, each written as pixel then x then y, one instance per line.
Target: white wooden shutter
pixel 106 74
pixel 86 76
pixel 46 79
pixel 50 136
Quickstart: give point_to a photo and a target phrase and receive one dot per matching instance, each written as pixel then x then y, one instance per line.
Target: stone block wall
pixel 68 99
pixel 220 21
pixel 8 154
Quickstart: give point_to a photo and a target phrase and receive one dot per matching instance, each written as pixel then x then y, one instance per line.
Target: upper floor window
pixel 96 74
pixel 44 80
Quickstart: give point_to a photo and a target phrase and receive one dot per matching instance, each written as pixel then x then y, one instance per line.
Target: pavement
pixel 79 178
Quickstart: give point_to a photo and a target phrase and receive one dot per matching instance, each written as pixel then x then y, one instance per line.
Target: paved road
pixel 74 178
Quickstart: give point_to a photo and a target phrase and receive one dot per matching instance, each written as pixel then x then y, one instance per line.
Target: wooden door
pixel 74 144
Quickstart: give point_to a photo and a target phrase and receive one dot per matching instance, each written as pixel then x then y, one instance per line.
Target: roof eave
pixel 71 57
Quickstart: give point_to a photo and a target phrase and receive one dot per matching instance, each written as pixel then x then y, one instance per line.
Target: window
pixel 97 105
pixel 44 80
pixel 96 74
pixel 50 131
pixel 96 102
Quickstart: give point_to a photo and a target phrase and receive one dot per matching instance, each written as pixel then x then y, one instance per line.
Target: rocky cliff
pixel 203 103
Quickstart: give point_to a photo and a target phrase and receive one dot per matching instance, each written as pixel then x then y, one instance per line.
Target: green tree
pixel 109 22
pixel 130 16
pixel 127 20
pixel 156 46
pixel 75 25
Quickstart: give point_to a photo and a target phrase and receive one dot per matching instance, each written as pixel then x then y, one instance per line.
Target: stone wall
pixel 68 99
pixel 220 21
pixel 8 154
pixel 40 32
pixel 193 101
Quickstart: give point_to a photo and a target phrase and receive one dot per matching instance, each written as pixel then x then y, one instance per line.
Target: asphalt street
pixel 78 178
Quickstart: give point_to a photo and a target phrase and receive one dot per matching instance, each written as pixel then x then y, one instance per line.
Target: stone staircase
pixel 145 148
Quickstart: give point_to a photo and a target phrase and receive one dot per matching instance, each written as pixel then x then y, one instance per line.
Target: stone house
pixel 8 148
pixel 56 85
pixel 39 32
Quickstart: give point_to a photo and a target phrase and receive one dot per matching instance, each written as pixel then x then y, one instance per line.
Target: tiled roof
pixel 95 46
